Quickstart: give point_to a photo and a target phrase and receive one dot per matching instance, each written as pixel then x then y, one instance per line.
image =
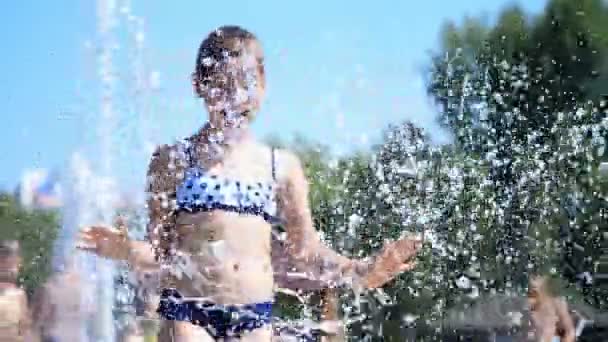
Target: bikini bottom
pixel 220 321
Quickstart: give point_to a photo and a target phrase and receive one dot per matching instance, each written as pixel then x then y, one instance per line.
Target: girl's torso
pixel 223 223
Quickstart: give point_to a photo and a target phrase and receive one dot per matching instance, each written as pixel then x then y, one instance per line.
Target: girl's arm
pixel 162 170
pixel 304 244
pixel 113 243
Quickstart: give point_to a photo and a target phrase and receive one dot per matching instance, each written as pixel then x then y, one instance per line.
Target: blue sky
pixel 338 71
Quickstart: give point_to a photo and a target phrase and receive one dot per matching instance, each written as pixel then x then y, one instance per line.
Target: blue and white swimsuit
pixel 201 191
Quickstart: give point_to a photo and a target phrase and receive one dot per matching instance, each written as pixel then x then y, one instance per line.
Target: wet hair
pixel 547 284
pixel 227 64
pixel 9 248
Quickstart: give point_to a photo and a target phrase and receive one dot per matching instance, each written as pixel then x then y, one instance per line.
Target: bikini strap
pixel 274 163
pixel 188 153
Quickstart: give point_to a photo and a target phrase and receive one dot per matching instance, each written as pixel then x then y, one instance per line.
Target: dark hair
pixel 9 248
pixel 211 67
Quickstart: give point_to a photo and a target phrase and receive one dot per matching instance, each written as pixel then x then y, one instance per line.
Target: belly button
pixel 236 267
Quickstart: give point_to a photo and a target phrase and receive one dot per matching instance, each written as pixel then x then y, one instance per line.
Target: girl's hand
pixel 106 242
pixel 396 257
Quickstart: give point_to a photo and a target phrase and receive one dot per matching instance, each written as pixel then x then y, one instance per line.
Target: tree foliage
pixel 518 97
pixel 36 231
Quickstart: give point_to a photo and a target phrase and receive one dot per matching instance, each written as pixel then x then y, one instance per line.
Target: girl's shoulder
pixel 166 154
pixel 166 165
pixel 284 161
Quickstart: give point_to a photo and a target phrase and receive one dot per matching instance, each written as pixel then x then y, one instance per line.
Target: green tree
pixel 36 231
pixel 514 96
pixel 564 51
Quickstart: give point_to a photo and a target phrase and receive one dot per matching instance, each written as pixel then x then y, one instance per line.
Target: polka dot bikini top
pixel 200 191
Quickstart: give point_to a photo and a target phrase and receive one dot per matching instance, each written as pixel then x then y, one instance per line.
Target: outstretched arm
pixel 113 242
pixel 304 244
pixel 164 165
pixel 162 170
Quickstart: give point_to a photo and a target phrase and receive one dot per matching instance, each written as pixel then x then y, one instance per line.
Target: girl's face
pixel 239 90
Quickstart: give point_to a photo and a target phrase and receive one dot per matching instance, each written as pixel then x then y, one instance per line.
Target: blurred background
pixel 480 123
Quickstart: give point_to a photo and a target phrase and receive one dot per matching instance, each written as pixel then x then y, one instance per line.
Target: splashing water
pixel 86 198
pixel 92 186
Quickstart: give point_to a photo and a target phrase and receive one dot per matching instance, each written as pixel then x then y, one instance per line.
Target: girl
pixel 213 199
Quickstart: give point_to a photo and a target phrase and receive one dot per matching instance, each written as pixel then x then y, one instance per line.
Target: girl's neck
pixel 211 144
pixel 224 136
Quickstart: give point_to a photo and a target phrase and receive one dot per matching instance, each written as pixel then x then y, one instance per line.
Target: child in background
pixel 14 313
pixel 63 306
pixel 551 320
